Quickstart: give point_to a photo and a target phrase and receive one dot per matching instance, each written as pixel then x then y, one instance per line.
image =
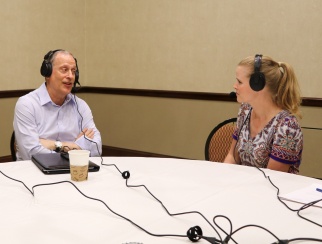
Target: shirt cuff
pixel 84 143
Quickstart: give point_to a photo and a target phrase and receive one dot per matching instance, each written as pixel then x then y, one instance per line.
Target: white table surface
pixel 60 214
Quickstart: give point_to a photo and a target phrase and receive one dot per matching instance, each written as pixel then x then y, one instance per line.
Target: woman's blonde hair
pixel 281 81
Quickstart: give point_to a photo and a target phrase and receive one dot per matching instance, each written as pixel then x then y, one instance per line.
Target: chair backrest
pixel 13 147
pixel 219 141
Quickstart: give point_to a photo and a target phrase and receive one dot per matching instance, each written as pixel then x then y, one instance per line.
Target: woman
pixel 267 134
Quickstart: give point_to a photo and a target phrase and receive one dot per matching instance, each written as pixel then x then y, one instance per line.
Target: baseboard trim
pixel 5 159
pixel 108 151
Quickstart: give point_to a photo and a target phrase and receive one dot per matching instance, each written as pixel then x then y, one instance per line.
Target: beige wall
pixel 168 45
pixel 176 127
pixel 6 126
pixel 195 45
pixel 29 29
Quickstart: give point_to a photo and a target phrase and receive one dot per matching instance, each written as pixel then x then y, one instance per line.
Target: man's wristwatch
pixel 58 146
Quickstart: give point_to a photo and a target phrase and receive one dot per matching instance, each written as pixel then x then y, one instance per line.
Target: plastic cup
pixel 78 160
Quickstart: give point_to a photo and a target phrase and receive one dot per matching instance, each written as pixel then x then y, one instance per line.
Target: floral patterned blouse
pixel 281 139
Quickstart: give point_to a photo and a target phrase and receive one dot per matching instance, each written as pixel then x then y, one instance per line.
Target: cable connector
pixel 211 240
pixel 126 175
pixel 194 233
pixel 226 240
pixel 281 242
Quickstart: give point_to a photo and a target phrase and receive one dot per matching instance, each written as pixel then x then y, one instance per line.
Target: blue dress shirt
pixel 37 116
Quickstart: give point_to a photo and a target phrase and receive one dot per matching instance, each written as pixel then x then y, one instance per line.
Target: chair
pixel 13 146
pixel 219 141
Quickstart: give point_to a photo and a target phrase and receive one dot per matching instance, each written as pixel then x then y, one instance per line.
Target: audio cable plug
pixel 195 234
pixel 226 240
pixel 281 242
pixel 126 175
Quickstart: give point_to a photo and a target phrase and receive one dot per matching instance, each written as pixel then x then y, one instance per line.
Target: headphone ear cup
pixel 75 89
pixel 257 81
pixel 76 77
pixel 46 69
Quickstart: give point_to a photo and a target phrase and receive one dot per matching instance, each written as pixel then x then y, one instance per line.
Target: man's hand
pixel 89 133
pixel 49 144
pixel 66 146
pixel 69 146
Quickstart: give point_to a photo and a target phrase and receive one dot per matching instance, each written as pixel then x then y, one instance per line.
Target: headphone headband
pixel 46 66
pixel 257 79
pixel 257 62
pixel 50 54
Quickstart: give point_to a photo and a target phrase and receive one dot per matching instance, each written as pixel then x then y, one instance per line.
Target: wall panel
pixel 29 29
pixel 188 45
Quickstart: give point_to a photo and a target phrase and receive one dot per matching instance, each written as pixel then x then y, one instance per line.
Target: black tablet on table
pixel 57 163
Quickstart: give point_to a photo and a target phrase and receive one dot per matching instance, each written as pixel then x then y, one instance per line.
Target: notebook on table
pixel 57 163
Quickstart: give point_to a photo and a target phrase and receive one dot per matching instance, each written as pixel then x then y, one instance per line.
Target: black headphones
pixel 257 79
pixel 46 68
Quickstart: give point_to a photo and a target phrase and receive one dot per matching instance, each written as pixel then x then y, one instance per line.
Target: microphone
pixel 233 95
pixel 76 88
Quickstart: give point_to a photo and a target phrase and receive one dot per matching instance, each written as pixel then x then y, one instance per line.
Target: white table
pixel 60 214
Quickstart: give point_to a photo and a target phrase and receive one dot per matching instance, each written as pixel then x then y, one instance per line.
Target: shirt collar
pixel 45 98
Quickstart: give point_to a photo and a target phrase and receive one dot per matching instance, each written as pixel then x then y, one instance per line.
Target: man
pixel 50 119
